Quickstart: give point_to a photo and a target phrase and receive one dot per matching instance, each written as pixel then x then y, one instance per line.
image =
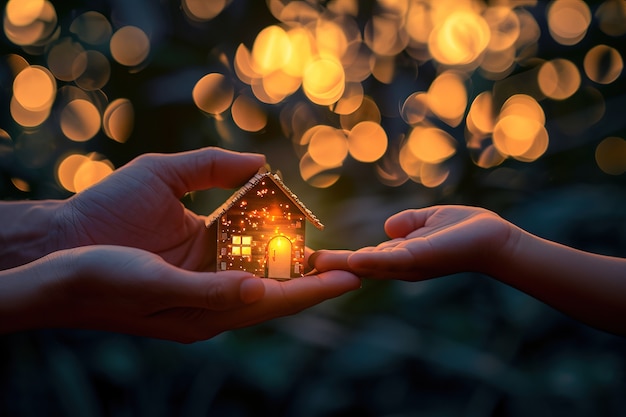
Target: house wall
pixel 264 212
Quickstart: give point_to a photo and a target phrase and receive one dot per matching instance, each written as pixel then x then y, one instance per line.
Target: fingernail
pixel 312 259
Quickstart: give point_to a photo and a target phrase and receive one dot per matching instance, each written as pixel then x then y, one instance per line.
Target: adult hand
pixel 426 243
pixel 133 291
pixel 139 205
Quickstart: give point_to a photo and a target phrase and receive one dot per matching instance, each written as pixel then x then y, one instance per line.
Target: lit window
pixel 241 246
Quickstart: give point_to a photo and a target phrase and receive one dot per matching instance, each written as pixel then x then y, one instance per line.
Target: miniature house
pixel 261 229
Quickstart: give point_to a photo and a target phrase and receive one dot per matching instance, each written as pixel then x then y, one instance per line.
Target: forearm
pixel 588 287
pixel 28 231
pixel 30 295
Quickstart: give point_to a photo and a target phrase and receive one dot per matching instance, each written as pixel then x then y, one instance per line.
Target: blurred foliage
pixel 462 345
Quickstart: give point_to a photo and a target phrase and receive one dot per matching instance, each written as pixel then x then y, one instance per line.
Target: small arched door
pixel 279 257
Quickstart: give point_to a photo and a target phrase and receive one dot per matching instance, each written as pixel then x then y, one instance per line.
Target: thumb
pixel 205 168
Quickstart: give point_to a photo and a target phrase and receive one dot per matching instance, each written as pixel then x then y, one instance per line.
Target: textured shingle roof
pixel 275 178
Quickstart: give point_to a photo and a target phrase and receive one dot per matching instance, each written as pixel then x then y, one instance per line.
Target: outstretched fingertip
pixel 251 290
pixel 343 280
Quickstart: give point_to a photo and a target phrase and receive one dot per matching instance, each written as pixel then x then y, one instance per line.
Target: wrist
pixel 32 295
pixel 507 252
pixel 30 230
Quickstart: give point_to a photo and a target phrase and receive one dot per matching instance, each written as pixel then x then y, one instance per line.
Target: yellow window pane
pixel 236 240
pixel 246 251
pixel 236 251
pixel 246 240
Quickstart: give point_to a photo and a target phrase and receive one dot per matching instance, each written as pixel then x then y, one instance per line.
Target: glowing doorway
pixel 279 257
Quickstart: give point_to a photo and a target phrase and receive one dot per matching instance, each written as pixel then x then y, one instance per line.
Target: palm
pixel 134 291
pixel 424 244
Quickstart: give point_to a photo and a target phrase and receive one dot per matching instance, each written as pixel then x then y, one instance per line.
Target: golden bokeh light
pixel 201 10
pixel 481 115
pixel 301 49
pixel 67 168
pixel 316 175
pixel 80 120
pixel 118 120
pixel 460 38
pixel 516 136
pixel 62 56
pixel 274 87
pixel 415 108
pixel 504 27
pixel 611 155
pixel 330 39
pixel 519 131
pixel 20 184
pixel 242 64
pixel 30 22
pixel 447 97
pixel 92 27
pixel 433 175
pixel 248 114
pixel 34 88
pixel 328 146
pixel 367 142
pixel 559 78
pixel 213 93
pixel 25 117
pixel 497 65
pixel 351 99
pixel 323 81
pixel 388 169
pixel 91 172
pixel 525 106
pixel 383 37
pixel 271 50
pixel 91 70
pixel 430 144
pixel 23 12
pixel 611 15
pixel 410 163
pixel 395 83
pixel 568 20
pixel 367 111
pixel 419 22
pixel 130 46
pixel 603 64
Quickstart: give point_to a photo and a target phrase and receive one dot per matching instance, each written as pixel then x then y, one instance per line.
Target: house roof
pixel 260 175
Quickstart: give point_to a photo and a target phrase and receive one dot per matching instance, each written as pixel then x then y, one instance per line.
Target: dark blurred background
pixel 462 345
